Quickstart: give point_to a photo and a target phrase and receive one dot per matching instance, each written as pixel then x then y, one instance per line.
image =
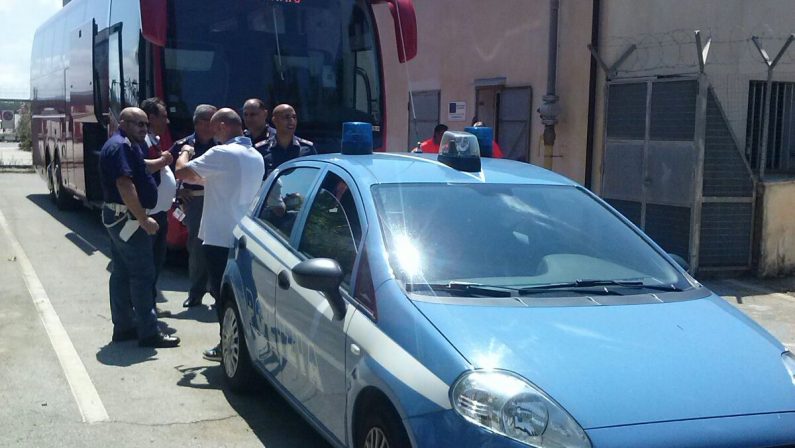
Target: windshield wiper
pixel 596 283
pixel 463 288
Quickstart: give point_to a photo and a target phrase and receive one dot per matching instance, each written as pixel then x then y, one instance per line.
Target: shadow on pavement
pixel 89 235
pixel 125 354
pixel 269 416
pixel 273 420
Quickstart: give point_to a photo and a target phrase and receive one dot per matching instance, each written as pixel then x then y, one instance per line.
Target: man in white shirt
pixel 232 174
pixel 157 163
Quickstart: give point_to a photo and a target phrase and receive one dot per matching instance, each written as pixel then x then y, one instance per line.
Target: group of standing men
pixel 215 173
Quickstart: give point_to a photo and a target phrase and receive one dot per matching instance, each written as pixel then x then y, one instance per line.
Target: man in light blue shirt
pixel 231 174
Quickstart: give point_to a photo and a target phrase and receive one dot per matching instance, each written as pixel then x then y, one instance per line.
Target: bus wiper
pixel 596 283
pixel 464 288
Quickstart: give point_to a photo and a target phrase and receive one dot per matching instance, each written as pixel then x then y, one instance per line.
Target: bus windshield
pixel 320 56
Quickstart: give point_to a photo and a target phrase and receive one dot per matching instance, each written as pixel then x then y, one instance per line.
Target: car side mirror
pixel 324 275
pixel 680 261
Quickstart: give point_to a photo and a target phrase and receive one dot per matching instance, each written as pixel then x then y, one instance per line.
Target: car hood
pixel 628 364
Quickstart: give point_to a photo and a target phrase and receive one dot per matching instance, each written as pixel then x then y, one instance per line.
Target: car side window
pixel 333 229
pixel 286 198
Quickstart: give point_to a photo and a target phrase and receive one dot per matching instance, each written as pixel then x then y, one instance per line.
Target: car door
pixel 267 245
pixel 314 344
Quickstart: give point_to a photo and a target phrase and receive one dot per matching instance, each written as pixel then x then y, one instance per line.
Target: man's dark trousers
pixel 216 258
pixel 197 266
pixel 159 246
pixel 131 278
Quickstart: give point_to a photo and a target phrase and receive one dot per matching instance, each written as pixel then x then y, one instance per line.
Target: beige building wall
pixel 663 31
pixel 777 232
pixel 463 41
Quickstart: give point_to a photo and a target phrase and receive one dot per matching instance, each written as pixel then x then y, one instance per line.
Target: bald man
pixel 284 145
pixel 231 174
pixel 129 190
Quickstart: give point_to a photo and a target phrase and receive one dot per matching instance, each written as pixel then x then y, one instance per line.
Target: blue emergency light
pixel 357 138
pixel 485 138
pixel 460 150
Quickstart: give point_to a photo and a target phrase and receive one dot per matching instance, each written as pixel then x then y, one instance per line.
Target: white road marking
pixel 760 289
pixel 91 408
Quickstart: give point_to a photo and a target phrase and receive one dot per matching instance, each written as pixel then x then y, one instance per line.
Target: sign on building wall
pixel 457 111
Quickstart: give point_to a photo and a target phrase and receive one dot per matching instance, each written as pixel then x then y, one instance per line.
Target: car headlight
pixel 510 405
pixel 789 363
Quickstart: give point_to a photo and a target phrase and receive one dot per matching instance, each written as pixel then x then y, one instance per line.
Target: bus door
pixel 80 101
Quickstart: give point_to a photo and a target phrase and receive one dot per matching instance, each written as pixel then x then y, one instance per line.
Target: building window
pixel 780 127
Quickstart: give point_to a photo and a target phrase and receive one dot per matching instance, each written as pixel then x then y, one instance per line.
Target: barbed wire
pixel 676 51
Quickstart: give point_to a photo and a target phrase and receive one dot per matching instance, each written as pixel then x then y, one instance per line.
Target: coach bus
pixel 95 57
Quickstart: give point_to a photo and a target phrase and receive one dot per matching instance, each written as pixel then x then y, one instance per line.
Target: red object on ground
pixel 177 236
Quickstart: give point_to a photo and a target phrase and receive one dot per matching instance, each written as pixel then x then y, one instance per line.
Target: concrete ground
pixel 12 156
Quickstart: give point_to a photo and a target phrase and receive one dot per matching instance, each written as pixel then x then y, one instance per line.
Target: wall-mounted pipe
pixel 550 110
pixel 589 142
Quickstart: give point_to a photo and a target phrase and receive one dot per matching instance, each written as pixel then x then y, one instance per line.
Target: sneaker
pixel 159 340
pixel 213 354
pixel 124 335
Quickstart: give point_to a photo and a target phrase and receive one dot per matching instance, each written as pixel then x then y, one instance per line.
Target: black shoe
pixel 191 302
pixel 213 354
pixel 162 313
pixel 124 335
pixel 159 340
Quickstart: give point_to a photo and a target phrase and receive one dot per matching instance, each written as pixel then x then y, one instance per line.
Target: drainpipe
pixel 549 110
pixel 589 144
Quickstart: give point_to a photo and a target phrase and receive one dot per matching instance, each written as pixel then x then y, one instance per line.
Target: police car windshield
pixel 318 55
pixel 515 236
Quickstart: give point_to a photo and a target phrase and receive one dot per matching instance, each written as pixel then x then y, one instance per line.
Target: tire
pixel 235 360
pixel 381 428
pixel 63 200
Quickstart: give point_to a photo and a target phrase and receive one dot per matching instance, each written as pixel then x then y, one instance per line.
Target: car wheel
pixel 235 359
pixel 382 428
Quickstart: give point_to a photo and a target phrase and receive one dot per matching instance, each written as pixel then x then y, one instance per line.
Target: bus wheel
pixel 63 200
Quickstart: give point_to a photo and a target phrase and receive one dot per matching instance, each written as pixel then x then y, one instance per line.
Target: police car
pixel 416 300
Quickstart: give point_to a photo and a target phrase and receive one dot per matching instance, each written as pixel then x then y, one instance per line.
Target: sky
pixel 19 20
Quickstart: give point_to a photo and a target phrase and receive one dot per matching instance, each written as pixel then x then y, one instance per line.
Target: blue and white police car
pixel 404 300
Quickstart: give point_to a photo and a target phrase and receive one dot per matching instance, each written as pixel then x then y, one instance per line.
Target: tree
pixel 23 132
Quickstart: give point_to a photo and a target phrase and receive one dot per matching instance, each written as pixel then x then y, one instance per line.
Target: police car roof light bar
pixel 460 151
pixel 357 138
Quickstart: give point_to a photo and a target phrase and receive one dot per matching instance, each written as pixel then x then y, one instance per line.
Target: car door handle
pixel 283 280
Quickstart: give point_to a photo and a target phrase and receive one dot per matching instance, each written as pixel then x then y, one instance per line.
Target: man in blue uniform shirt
pixel 192 196
pixel 284 145
pixel 129 189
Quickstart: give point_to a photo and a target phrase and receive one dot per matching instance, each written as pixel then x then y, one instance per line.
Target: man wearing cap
pixel 129 189
pixel 284 145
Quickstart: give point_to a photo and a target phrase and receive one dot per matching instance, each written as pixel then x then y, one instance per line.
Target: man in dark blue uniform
pixel 255 116
pixel 284 145
pixel 129 189
pixel 192 197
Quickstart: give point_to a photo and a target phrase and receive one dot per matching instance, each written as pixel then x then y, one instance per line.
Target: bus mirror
pixel 405 19
pixel 153 21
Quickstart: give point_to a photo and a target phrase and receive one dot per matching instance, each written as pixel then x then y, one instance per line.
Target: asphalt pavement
pixel 63 384
pixel 163 397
